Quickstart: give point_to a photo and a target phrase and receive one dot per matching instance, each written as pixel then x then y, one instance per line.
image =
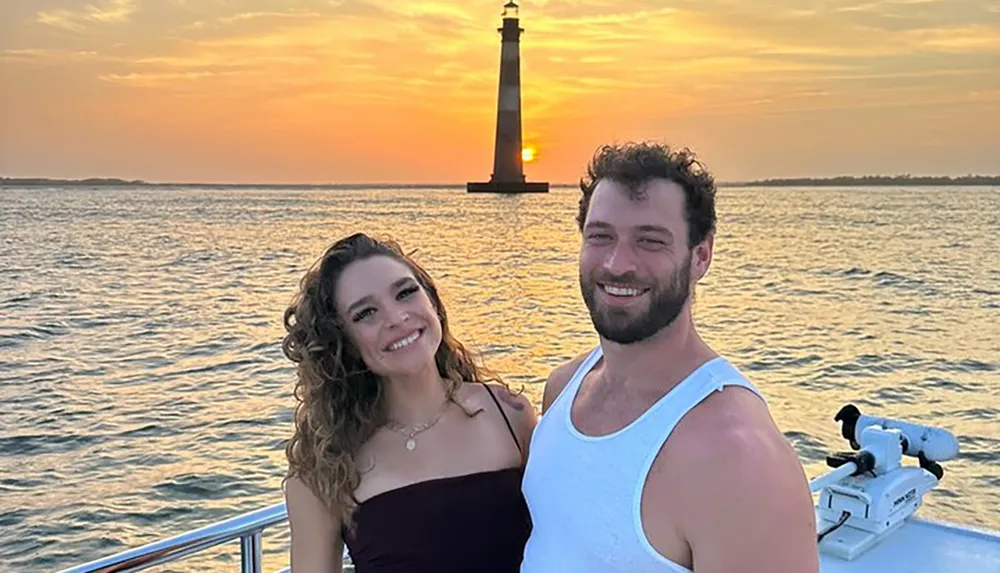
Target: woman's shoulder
pixel 304 506
pixel 316 541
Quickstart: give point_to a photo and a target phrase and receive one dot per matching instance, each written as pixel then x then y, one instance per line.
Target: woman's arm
pixel 317 546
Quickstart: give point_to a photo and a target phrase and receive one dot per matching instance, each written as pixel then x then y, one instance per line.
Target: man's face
pixel 635 264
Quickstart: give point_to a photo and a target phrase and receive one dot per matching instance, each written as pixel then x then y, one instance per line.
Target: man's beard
pixel 666 301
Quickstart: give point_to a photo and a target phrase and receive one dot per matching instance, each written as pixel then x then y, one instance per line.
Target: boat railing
pixel 246 527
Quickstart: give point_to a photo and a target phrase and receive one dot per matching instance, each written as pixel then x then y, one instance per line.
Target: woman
pixel 403 449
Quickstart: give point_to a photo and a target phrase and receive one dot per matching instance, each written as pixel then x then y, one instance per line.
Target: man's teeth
pixel 622 291
pixel 405 342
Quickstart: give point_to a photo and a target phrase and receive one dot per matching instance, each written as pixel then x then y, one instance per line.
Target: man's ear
pixel 701 257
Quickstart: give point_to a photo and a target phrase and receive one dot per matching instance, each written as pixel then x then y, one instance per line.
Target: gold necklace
pixel 411 442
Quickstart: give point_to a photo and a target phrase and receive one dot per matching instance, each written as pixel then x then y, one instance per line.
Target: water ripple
pixel 143 390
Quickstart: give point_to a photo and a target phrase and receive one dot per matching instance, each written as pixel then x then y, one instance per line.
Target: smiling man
pixel 654 453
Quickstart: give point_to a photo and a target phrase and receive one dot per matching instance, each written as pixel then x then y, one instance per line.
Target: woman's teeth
pixel 405 342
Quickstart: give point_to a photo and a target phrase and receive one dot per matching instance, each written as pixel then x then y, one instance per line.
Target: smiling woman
pixel 396 422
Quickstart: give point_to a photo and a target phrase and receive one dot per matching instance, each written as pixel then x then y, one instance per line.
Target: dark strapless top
pixel 473 522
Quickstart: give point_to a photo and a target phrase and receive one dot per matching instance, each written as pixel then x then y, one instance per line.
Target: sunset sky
pixel 405 91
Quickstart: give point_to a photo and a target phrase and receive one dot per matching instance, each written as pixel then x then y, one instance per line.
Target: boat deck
pixel 925 546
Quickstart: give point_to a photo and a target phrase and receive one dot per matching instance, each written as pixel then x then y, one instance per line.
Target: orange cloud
pixel 106 12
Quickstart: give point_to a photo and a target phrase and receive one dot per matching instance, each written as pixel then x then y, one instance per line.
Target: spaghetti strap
pixel 509 427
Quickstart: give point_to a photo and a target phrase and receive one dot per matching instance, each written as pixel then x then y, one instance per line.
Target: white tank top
pixel 585 492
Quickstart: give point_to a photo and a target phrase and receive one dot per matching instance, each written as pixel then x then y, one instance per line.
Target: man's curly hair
pixel 636 164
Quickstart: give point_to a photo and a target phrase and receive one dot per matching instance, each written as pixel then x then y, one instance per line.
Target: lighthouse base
pixel 508 187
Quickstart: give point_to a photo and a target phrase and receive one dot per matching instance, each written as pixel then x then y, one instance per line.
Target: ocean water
pixel 143 391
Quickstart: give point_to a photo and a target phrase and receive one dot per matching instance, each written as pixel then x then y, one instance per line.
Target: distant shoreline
pixel 870 181
pixel 843 181
pixel 44 182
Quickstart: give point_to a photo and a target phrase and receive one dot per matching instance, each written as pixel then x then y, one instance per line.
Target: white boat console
pixel 865 510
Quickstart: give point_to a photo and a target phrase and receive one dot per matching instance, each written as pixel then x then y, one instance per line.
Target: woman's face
pixel 388 316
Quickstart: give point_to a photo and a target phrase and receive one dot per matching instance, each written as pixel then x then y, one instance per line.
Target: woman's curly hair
pixel 340 402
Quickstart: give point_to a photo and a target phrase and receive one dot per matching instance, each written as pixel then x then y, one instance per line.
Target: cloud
pixel 63 56
pixel 972 38
pixel 596 9
pixel 262 17
pixel 23 53
pixel 156 79
pixel 241 16
pixel 107 12
pixel 881 5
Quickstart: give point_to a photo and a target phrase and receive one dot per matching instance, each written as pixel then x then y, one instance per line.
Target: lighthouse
pixel 508 167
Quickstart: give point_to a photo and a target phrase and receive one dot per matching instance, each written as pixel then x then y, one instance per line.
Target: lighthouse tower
pixel 508 167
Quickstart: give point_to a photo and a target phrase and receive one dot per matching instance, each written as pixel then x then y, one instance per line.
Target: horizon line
pixel 120 182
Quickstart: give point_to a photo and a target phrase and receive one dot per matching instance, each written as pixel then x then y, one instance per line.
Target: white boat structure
pixel 867 505
pixel 866 512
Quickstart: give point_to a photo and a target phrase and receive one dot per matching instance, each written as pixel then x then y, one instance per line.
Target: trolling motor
pixel 870 493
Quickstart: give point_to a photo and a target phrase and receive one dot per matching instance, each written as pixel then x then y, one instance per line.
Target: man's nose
pixel 621 260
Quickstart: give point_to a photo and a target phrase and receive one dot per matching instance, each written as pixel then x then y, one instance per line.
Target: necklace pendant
pixel 411 444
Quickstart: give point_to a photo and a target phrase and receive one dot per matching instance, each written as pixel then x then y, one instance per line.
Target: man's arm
pixel 521 414
pixel 752 510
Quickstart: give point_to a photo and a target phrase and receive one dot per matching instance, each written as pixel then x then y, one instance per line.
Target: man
pixel 608 491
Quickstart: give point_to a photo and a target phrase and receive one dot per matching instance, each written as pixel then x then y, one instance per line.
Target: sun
pixel 528 154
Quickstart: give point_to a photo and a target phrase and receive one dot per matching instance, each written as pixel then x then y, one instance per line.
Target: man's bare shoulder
pixel 733 412
pixel 744 487
pixel 511 400
pixel 518 409
pixel 730 430
pixel 559 377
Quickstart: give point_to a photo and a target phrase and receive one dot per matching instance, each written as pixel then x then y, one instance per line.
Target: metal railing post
pixel 250 553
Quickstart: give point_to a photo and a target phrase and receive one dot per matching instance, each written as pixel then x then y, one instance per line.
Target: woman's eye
pixel 363 314
pixel 406 292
